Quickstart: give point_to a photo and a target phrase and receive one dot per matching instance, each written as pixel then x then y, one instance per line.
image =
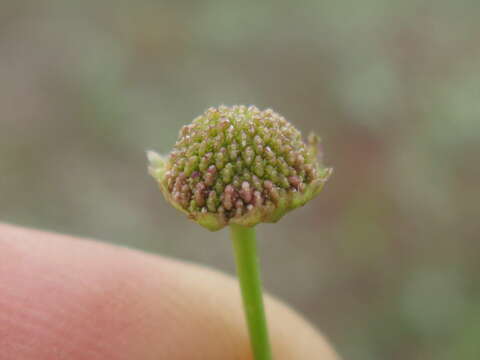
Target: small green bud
pixel 227 173
pixel 258 168
pixel 239 165
pixel 212 202
pixel 248 155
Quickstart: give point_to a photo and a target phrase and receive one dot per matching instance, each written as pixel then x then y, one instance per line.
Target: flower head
pixel 239 165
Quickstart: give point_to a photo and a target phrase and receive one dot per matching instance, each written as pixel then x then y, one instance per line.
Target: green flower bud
pixel 239 165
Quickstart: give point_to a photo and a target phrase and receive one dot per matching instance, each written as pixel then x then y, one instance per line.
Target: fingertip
pixel 61 297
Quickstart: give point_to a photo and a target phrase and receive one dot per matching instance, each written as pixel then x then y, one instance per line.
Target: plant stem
pixel 248 272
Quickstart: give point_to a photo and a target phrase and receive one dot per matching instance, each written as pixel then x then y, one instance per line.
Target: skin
pixel 68 298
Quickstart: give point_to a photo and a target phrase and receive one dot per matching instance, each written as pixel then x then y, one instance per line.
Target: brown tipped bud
pixel 239 165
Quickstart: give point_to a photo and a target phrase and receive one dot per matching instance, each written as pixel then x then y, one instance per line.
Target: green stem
pixel 248 271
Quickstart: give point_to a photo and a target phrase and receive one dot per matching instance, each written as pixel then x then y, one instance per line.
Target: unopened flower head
pixel 239 165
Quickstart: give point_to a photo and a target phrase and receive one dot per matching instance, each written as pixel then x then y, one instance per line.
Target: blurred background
pixel 385 261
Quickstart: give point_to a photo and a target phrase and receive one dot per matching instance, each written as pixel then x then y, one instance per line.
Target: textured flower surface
pixel 239 165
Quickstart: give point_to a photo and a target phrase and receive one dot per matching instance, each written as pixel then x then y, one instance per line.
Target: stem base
pixel 248 272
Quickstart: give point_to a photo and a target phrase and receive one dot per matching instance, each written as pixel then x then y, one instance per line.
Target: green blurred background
pixel 385 261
